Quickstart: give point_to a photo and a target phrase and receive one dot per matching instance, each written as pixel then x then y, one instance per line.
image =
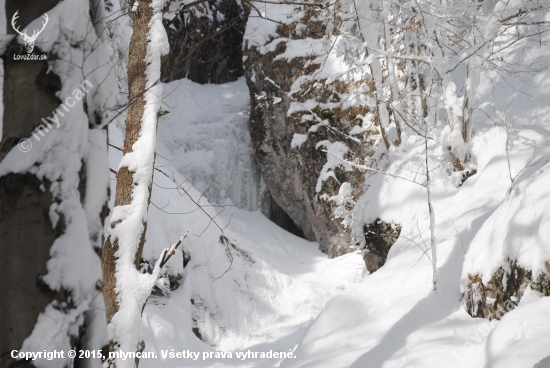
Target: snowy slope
pixel 266 302
pixel 394 318
pixel 277 284
pixel 281 293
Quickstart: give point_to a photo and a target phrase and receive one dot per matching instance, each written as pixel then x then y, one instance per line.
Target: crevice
pixel 282 219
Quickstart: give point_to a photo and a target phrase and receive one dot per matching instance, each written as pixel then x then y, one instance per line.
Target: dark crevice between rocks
pixel 379 238
pixel 282 219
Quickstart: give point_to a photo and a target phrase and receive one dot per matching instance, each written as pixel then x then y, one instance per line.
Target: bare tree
pixel 124 288
pixel 426 59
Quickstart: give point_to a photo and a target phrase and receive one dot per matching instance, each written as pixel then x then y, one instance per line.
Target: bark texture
pixel 26 230
pixel 29 91
pixel 27 236
pixel 136 85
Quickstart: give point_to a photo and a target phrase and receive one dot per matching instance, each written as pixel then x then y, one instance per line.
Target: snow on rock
pixel 521 338
pixel 344 204
pixel 511 251
pixel 335 159
pixel 393 318
pixel 275 284
pixel 298 140
pixel 261 287
pixel 519 230
pixel 260 32
pixel 280 293
pixel 309 87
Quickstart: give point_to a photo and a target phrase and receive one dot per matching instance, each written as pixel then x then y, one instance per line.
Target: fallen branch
pixel 166 255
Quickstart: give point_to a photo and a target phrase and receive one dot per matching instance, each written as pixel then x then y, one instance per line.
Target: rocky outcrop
pixel 205 42
pixel 379 237
pixel 292 171
pixel 503 291
pixel 310 197
pixel 509 253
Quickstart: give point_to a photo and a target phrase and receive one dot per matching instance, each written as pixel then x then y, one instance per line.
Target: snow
pixel 280 289
pixel 280 293
pixel 259 31
pixel 335 159
pixel 344 203
pixel 58 159
pixel 521 339
pixel 249 285
pixel 132 287
pixel 297 140
pixel 284 294
pixel 517 230
pixel 277 283
pixel 265 289
pixel 330 53
pixel 208 139
pixel 275 288
pixel 392 318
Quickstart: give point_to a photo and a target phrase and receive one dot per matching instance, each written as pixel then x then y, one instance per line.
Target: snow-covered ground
pixel 273 291
pixel 277 283
pixel 393 318
pixel 265 302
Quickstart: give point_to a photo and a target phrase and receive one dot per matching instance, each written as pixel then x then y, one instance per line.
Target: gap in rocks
pixel 282 219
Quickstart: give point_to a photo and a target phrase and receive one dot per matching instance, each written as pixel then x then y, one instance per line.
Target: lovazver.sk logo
pixel 29 40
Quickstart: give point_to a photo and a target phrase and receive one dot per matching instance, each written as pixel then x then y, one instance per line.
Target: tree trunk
pixel 431 210
pixel 126 237
pixel 125 180
pixel 40 209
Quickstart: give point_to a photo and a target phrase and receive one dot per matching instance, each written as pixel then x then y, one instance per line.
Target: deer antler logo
pixel 29 40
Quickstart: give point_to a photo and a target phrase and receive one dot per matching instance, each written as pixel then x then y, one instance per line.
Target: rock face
pixel 292 171
pixel 503 291
pixel 310 197
pixel 206 43
pixel 379 237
